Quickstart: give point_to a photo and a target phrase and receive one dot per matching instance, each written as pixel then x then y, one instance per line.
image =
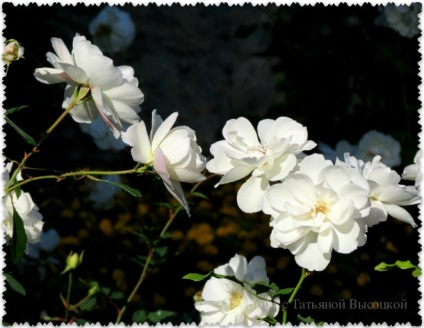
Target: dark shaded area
pixel 335 72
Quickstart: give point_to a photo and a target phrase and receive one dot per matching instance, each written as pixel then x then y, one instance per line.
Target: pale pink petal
pixel 106 111
pixel 51 75
pixel 62 51
pixel 173 186
pixel 75 73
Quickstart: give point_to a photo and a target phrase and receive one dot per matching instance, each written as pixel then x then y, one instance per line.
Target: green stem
pixel 75 306
pixel 302 277
pixel 150 256
pixel 83 173
pixel 68 296
pixel 35 149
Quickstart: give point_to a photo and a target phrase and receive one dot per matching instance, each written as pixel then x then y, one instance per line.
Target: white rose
pixel 27 210
pixel 225 302
pixel 114 93
pixel 387 196
pixel 173 152
pixel 271 158
pixel 317 210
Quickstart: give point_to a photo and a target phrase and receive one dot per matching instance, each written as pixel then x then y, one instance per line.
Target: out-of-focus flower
pixel 226 302
pixel 49 240
pixel 113 91
pixel 102 193
pixel 371 144
pixel 375 143
pixel 173 152
pixel 13 51
pixel 270 159
pixel 402 18
pixel 342 147
pixel 318 209
pixel 413 171
pixel 386 194
pixel 102 136
pixel 25 207
pixel 112 29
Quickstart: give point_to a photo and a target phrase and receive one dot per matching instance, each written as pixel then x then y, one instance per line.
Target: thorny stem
pixel 302 277
pixel 81 174
pixel 35 149
pixel 68 297
pixel 150 256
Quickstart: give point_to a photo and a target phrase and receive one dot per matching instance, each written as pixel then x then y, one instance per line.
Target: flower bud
pixel 94 288
pixel 73 261
pixel 13 51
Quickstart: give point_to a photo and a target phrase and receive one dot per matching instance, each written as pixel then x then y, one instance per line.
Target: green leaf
pixel 139 316
pixel 105 290
pixel 19 238
pixel 309 320
pixel 199 195
pixel 22 133
pixel 284 291
pixel 117 295
pixel 404 265
pixel 197 276
pixel 14 284
pixel 262 287
pixel 159 315
pixel 161 251
pixel 15 109
pixel 88 305
pixel 128 189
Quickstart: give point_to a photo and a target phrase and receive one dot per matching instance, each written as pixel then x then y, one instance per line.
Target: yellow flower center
pixel 235 300
pixel 321 206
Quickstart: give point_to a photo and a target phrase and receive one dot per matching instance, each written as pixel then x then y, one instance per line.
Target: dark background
pixel 328 67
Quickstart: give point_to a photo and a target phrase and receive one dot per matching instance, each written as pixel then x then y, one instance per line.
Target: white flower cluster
pixel 25 207
pixel 115 98
pixel 372 143
pixel 227 302
pixel 316 206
